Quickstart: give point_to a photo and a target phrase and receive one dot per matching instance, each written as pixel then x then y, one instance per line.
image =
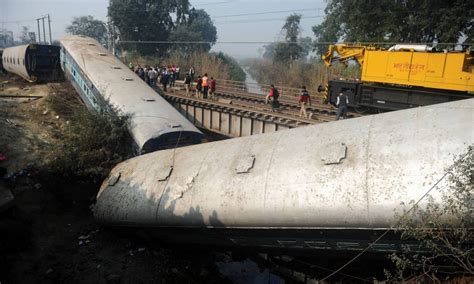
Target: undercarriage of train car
pixel 42 62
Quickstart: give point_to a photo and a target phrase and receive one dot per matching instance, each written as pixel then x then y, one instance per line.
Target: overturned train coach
pixel 332 186
pixel 103 81
pixel 33 62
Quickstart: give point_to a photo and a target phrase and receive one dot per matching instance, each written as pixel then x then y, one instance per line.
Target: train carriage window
pixel 18 61
pixel 23 62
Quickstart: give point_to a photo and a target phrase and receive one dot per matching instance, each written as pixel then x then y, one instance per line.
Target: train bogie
pixel 385 97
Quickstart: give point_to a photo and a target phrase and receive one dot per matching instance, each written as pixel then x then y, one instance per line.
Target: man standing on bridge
pixel 304 100
pixel 187 83
pixel 205 85
pixel 342 103
pixel 273 96
pixel 152 75
pixel 212 88
pixel 199 87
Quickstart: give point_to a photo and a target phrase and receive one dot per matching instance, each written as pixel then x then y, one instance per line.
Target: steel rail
pixel 317 112
pixel 275 117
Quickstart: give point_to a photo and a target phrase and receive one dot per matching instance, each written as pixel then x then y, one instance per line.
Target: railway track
pixel 254 102
pixel 289 106
pixel 286 103
pixel 243 110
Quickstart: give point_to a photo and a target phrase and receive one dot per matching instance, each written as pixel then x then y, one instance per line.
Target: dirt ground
pixel 47 237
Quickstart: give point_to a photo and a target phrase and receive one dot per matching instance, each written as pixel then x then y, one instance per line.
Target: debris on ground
pixel 48 234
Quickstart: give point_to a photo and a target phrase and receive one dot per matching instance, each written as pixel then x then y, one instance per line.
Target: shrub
pixel 91 144
pixel 300 73
pixel 445 229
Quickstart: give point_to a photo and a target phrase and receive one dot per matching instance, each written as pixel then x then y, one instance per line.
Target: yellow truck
pixel 402 76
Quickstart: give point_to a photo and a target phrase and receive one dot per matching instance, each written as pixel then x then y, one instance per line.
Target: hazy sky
pixel 262 28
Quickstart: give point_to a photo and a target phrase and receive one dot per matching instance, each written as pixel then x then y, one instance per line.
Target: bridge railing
pixel 240 87
pixel 285 92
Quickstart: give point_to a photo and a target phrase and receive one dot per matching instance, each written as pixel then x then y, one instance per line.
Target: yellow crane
pixel 402 76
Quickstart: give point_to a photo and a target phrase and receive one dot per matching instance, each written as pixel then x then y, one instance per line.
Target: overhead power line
pixel 265 20
pixel 269 12
pixel 272 42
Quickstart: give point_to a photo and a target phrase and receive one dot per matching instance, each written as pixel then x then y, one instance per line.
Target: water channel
pixel 251 84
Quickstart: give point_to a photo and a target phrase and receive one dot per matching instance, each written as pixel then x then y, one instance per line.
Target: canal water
pixel 251 83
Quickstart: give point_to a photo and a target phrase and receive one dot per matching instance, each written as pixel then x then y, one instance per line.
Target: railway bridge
pixel 235 112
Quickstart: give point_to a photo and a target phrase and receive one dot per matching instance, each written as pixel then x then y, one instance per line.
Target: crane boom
pixel 343 53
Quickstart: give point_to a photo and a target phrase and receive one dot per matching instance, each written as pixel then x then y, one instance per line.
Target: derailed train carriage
pixel 332 186
pixel 103 80
pixel 33 62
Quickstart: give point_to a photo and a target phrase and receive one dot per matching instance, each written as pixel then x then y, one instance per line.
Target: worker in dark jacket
pixel 187 83
pixel 342 103
pixel 164 80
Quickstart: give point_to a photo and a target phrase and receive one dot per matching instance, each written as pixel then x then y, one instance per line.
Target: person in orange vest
pixel 304 100
pixel 205 86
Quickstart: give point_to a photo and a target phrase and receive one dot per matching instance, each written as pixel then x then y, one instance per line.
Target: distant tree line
pixel 394 21
pixel 164 21
pixel 88 26
pixel 400 21
pixel 25 37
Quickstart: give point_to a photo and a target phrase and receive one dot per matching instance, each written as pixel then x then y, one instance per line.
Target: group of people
pixel 165 75
pixel 304 100
pixel 205 86
pixel 168 75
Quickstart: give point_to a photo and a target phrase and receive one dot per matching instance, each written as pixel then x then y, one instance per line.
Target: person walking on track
pixel 187 83
pixel 212 89
pixel 205 85
pixel 273 97
pixel 304 100
pixel 342 103
pixel 199 87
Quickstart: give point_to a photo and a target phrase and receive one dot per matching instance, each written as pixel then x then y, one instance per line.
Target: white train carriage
pixel 331 186
pixel 102 79
pixel 33 62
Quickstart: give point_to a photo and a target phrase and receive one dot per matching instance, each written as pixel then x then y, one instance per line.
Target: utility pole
pixel 45 38
pixel 39 32
pixel 44 31
pixel 110 35
pixel 49 23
